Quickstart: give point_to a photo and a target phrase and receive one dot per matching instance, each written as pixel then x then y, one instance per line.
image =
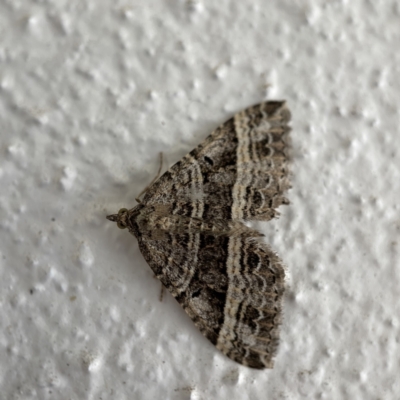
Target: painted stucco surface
pixel 91 92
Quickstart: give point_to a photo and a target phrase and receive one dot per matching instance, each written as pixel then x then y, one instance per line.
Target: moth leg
pixel 154 179
pixel 161 293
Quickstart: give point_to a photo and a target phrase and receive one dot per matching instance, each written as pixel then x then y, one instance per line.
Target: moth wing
pixel 229 286
pixel 240 171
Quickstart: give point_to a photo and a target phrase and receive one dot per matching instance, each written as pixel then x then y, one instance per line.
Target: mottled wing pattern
pixel 239 172
pixel 190 231
pixel 230 287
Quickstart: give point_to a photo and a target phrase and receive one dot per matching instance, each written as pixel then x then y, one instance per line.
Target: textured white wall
pixel 91 91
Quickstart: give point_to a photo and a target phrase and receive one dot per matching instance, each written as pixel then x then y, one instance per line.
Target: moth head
pixel 121 218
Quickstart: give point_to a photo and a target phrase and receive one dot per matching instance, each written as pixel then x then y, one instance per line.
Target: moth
pixel 190 226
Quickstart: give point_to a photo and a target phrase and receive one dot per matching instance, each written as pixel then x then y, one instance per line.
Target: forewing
pixel 239 172
pixel 230 287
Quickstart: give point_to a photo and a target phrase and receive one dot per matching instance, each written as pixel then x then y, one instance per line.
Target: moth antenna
pixel 154 179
